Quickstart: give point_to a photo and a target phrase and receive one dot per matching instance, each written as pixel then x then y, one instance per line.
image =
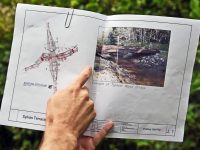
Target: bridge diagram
pixel 53 57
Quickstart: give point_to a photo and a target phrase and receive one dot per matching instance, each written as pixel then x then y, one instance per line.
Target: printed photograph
pixel 132 55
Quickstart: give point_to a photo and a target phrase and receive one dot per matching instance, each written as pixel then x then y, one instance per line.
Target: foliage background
pixel 16 138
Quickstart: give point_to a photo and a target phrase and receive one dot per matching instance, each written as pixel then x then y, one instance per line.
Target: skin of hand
pixel 90 143
pixel 69 113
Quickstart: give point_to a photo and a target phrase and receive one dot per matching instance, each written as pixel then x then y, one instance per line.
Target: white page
pixel 31 79
pixel 125 86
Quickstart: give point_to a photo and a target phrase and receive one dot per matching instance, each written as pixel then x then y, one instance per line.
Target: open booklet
pixel 142 69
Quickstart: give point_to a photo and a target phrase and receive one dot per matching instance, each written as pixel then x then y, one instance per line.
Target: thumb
pixel 102 133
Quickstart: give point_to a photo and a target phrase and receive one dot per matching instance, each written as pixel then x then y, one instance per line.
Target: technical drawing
pixel 52 57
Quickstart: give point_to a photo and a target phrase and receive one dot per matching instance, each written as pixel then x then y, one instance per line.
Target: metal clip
pixel 67 23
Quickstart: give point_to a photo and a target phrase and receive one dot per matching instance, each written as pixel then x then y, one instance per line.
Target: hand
pixel 69 113
pixel 90 143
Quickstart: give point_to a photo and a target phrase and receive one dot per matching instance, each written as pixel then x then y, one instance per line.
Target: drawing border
pixel 186 59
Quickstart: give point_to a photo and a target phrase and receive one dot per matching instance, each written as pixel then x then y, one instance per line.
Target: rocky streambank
pixel 106 70
pixel 156 61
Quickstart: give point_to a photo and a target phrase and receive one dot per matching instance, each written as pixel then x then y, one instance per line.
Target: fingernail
pixel 89 68
pixel 110 123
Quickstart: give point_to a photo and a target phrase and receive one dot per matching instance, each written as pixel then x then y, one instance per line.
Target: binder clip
pixel 69 19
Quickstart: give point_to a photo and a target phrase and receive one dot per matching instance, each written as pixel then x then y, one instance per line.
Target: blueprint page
pixel 50 47
pixel 142 75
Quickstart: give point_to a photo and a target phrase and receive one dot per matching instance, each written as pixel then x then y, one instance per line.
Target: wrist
pixel 58 138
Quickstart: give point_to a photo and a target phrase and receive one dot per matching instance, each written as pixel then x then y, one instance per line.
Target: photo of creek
pixel 131 55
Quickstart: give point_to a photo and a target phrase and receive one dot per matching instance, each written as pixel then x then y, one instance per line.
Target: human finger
pixel 88 119
pixel 102 133
pixel 85 89
pixel 83 77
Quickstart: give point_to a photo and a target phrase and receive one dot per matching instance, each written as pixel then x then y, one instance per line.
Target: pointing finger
pixel 102 133
pixel 83 77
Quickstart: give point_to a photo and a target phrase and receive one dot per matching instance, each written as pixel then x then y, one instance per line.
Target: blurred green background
pixel 21 139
